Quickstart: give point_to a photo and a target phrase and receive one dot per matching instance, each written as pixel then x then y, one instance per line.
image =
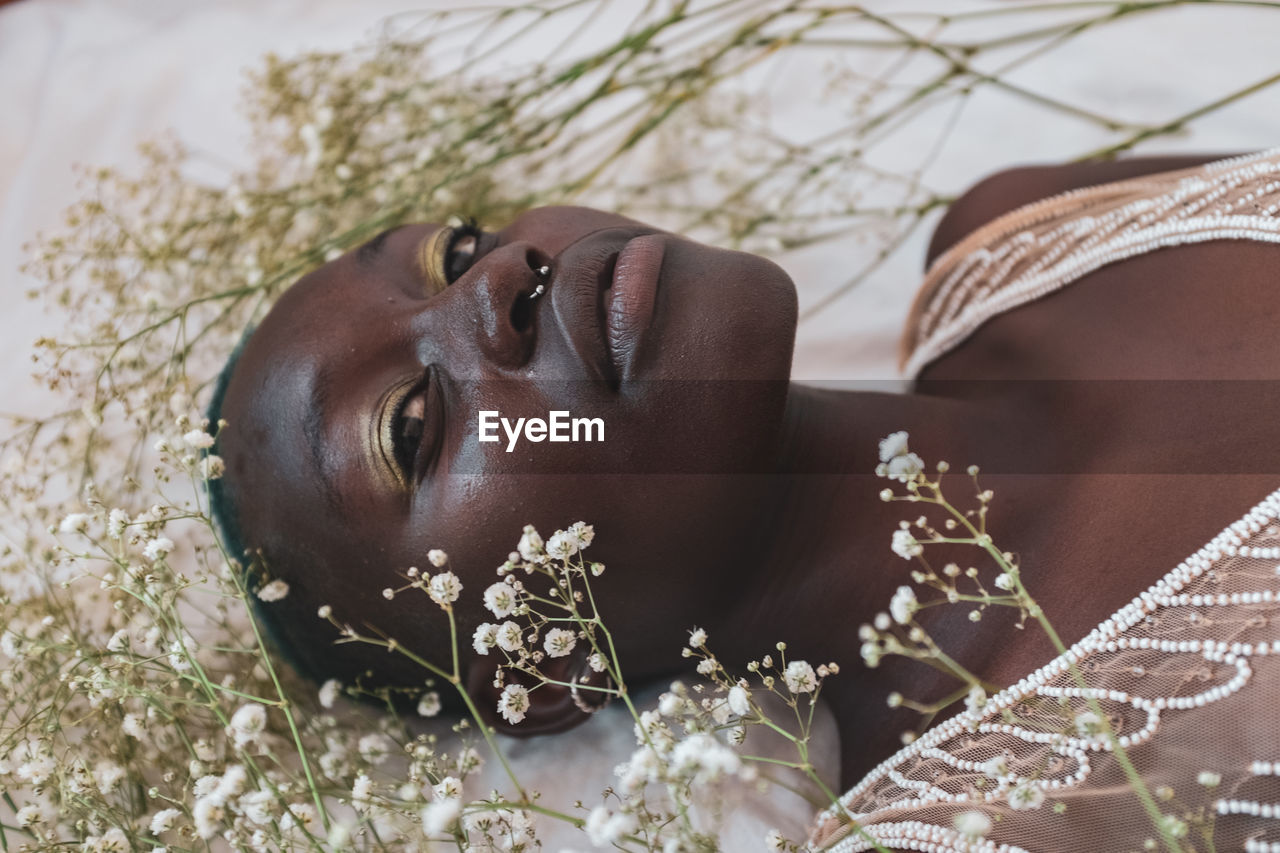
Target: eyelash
pixel 437 252
pixel 437 262
pixel 402 457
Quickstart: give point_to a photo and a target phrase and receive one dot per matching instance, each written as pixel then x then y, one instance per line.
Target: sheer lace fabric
pixel 1041 247
pixel 1188 677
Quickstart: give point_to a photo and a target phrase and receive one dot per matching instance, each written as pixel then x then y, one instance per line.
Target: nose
pixel 504 285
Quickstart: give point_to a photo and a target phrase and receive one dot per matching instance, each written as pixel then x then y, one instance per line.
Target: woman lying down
pixel 1099 338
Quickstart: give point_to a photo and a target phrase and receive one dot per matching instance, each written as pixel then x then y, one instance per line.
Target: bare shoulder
pixel 1202 311
pixel 1198 311
pixel 1009 189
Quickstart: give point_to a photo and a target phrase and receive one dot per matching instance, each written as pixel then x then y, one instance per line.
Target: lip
pixel 602 296
pixel 629 303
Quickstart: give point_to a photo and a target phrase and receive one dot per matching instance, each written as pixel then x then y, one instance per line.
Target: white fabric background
pixel 86 80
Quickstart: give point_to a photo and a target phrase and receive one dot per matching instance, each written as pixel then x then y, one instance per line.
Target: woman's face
pixel 354 413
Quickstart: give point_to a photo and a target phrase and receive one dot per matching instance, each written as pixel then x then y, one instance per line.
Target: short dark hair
pixel 226 520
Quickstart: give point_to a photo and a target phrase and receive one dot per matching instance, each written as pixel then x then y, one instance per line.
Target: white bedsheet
pixel 86 80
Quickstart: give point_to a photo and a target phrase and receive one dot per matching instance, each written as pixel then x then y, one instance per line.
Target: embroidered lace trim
pixel 1037 249
pixel 1188 676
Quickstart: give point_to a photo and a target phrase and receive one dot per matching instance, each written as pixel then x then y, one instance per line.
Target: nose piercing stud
pixel 541 272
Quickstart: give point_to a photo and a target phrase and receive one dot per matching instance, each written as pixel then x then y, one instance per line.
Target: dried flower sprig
pixel 126 649
pixel 897 632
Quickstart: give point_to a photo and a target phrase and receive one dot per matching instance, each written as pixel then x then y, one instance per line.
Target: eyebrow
pixel 369 252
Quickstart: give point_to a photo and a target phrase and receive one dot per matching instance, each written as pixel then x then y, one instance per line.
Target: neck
pixel 824 566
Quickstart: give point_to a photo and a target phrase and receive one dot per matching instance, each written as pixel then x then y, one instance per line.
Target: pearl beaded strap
pixel 1041 247
pixel 893 800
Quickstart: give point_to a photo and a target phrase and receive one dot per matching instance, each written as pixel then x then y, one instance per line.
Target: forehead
pixel 283 465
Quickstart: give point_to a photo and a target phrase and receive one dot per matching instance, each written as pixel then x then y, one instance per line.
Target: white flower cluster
pixel 897 462
pixel 534 638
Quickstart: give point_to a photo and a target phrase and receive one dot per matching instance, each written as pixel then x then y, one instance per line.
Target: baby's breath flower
pixel 163 820
pixel 1174 825
pixel 198 439
pixel 996 768
pixel 905 545
pixel 374 748
pixel 774 840
pixel 429 704
pixel 739 700
pixel 559 642
pixel 119 641
pixel 444 588
pixel 117 520
pixel 973 824
pixel 1026 796
pixel 135 726
pixel 893 445
pixel 597 662
pixel 484 638
pixel 361 790
pixel 500 599
pixel 1089 726
pixel 450 787
pixel 904 468
pixel 30 815
pixel 157 548
pixel 112 841
pixel 108 775
pixel 273 591
pixel 212 467
pixel 509 637
pixel 605 828
pixel 561 545
pixel 76 522
pixel 582 534
pixel 1209 779
pixel 514 703
pixel 531 547
pixel 437 558
pixel 800 677
pixel 208 813
pixel 440 816
pixel 247 724
pixel 329 692
pixel 903 605
pixel 698 638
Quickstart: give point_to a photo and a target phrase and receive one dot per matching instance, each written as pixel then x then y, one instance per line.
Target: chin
pixel 721 315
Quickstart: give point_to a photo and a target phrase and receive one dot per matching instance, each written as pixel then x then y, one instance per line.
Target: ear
pixel 551 707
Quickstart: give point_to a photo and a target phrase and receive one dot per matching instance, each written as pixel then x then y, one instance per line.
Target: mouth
pixel 629 301
pixel 603 297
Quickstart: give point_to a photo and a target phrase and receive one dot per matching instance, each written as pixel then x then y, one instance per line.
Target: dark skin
pixel 778 533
